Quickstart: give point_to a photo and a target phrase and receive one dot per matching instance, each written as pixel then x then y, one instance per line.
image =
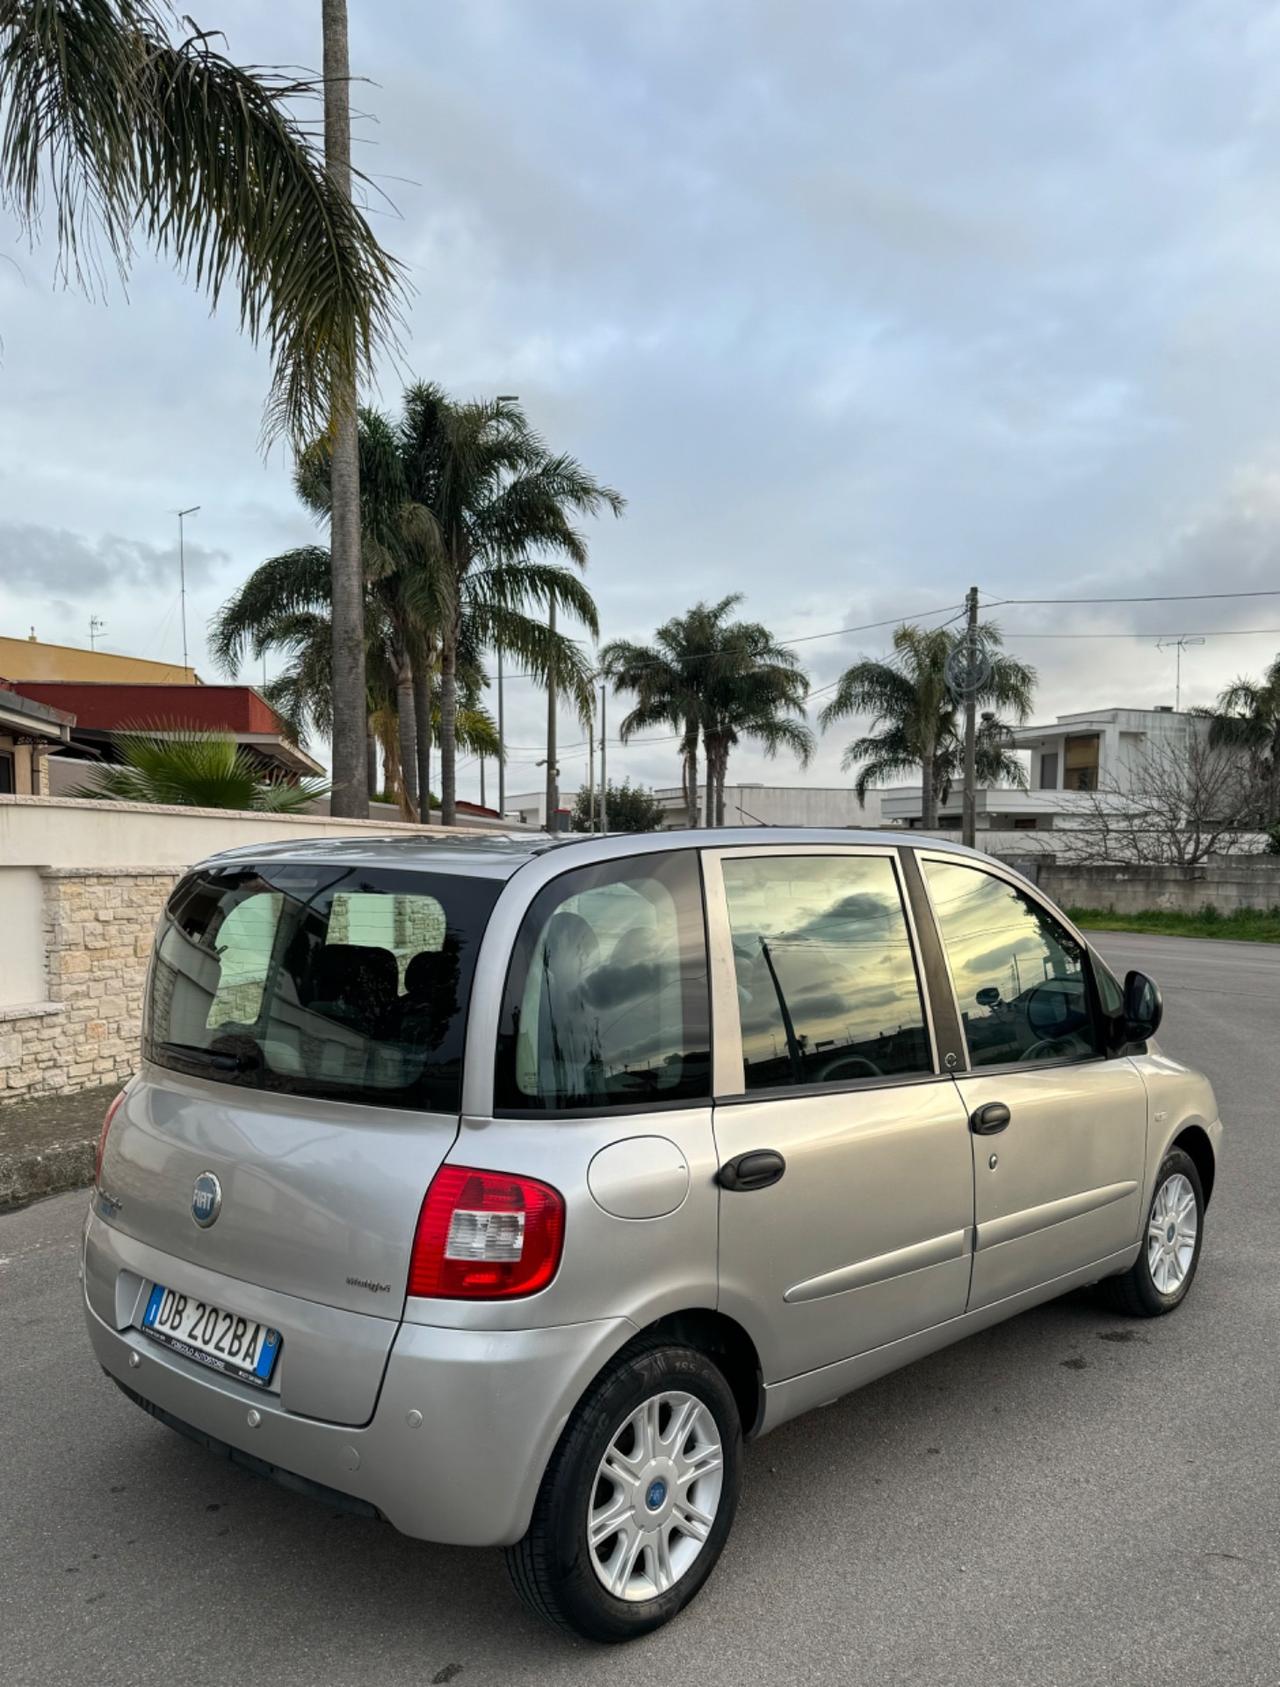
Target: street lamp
pixel 182 575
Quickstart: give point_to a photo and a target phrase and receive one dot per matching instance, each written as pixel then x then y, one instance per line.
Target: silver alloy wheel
pixel 655 1496
pixel 1171 1234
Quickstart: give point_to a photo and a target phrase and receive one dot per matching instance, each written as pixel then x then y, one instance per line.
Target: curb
pixel 31 1174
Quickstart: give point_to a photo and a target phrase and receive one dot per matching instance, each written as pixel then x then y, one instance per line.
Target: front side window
pixel 345 982
pixel 606 1001
pixel 1020 977
pixel 827 986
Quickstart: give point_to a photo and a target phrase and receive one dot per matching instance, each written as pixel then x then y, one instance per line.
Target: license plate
pixel 223 1341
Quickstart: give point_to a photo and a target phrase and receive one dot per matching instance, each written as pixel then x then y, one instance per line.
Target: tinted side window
pixel 827 987
pixel 1020 977
pixel 606 1001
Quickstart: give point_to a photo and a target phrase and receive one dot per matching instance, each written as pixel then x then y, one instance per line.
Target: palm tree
pixel 668 680
pixel 346 564
pixel 485 499
pixel 130 131
pixel 453 499
pixel 283 609
pixel 756 689
pixel 714 681
pixel 915 717
pixel 1247 718
pixel 194 769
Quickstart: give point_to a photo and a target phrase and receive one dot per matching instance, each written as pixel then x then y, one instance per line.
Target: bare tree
pixel 1184 801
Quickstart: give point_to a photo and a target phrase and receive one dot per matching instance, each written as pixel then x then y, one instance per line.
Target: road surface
pixel 1069 1499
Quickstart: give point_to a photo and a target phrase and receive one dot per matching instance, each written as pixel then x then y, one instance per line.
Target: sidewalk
pixel 47 1145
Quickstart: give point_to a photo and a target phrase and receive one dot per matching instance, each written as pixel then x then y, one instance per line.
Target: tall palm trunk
pixel 350 797
pixel 709 813
pixel 407 721
pixel 422 711
pixel 928 787
pixel 722 769
pixel 690 752
pixel 449 727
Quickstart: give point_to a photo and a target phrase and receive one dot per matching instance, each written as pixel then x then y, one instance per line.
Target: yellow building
pixel 29 659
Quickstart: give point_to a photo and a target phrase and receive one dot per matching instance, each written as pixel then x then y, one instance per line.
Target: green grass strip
pixel 1243 925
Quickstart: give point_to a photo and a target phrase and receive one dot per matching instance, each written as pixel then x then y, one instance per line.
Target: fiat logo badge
pixel 206 1200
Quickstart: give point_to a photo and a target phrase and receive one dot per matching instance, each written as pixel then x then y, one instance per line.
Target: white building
pixel 779 805
pixel 529 808
pixel 1092 750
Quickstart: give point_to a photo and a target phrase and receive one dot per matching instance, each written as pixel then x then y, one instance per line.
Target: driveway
pixel 1070 1498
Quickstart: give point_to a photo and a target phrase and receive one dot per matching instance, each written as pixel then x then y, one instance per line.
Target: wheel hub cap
pixel 655 1497
pixel 1172 1232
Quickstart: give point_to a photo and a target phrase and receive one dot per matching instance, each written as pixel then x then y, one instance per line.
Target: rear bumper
pixel 489 1406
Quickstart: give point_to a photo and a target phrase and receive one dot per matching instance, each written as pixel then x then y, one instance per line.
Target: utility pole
pixel 502 745
pixel 604 735
pixel 591 775
pixel 553 788
pixel 182 576
pixel 970 828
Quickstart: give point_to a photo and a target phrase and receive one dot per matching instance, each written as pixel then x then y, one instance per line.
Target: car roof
pixel 498 855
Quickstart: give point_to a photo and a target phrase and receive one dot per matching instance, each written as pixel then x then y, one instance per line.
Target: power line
pixel 1166 597
pixel 1209 632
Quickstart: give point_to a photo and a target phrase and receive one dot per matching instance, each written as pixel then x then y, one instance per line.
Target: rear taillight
pixel 102 1139
pixel 486 1236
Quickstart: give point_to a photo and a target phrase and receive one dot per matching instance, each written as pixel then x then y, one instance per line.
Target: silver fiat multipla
pixel 503 1187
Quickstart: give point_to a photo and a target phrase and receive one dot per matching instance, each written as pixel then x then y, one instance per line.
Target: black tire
pixel 1134 1292
pixel 552 1566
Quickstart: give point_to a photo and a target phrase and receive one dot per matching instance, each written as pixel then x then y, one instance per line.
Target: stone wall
pixel 98 929
pixel 1250 881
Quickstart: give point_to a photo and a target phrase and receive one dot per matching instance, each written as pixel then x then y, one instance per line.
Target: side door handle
pixel 988 1120
pixel 756 1170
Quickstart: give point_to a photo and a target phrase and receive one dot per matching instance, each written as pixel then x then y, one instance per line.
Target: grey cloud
pixel 47 559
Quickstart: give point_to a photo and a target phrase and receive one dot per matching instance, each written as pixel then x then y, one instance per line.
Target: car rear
pixel 260 1203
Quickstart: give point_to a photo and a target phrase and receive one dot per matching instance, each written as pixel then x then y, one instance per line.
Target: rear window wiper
pixel 200 1056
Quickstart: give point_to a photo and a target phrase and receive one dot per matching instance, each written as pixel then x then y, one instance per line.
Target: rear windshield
pixel 343 982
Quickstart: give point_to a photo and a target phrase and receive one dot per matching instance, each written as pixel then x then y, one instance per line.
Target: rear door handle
pixel 987 1120
pixel 756 1170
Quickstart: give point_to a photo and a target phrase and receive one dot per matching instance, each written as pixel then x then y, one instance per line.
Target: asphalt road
pixel 1070 1498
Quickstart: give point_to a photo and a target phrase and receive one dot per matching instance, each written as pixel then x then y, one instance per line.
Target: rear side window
pixel 606 1001
pixel 345 982
pixel 827 986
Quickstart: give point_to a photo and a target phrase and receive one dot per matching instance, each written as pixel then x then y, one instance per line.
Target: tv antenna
pixel 1178 644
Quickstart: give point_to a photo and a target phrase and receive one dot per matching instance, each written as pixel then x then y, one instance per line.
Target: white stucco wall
pixel 40 833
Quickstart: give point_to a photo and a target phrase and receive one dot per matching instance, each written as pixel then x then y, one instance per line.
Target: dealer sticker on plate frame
pixel 222 1341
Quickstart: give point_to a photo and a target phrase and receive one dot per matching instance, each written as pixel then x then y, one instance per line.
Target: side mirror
pixel 1143 1008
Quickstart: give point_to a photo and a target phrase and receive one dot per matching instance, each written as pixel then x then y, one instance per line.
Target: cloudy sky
pixel 857 303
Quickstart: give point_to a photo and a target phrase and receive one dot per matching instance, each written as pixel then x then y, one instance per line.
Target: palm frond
pixel 125 129
pixel 186 768
pixel 283 585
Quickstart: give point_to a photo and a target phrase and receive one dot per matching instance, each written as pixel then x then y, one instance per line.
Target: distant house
pixel 1077 755
pixel 100 694
pixel 102 710
pixel 28 731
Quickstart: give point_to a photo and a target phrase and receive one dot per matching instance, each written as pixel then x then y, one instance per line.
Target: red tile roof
pixel 100 706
